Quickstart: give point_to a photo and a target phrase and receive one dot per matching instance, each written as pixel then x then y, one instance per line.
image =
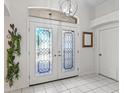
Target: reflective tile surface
pixel 92 83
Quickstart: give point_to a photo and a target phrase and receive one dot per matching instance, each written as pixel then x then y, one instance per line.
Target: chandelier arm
pixel 69 6
pixel 61 3
pixel 76 9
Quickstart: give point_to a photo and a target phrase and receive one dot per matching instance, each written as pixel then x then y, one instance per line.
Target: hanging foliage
pixel 12 52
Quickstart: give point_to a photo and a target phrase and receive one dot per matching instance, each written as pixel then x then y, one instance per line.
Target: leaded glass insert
pixel 68 50
pixel 43 51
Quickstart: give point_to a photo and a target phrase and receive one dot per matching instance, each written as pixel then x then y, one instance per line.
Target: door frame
pixel 53 22
pixel 97 38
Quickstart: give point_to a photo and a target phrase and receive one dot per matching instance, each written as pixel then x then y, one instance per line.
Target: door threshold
pixel 54 80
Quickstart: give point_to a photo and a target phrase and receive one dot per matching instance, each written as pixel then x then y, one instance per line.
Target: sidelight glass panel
pixel 43 51
pixel 68 50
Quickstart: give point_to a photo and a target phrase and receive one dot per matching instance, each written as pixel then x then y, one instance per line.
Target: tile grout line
pixel 92 89
pixel 88 83
pixel 94 78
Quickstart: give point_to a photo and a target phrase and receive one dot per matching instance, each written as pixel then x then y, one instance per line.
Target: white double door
pixel 52 52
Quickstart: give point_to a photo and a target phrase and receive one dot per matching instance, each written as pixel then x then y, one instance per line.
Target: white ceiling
pixel 95 2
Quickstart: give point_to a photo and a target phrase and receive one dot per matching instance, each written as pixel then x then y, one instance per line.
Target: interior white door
pixel 67 52
pixel 109 52
pixel 43 57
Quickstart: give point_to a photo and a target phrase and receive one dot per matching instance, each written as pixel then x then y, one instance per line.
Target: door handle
pixel 100 54
pixel 59 55
pixel 55 55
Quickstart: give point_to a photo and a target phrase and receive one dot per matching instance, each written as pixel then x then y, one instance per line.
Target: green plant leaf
pixel 9 32
pixel 10 43
pixel 12 26
pixel 15 30
pixel 13 51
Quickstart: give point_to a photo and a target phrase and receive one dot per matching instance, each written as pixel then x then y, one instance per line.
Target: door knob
pixel 100 54
pixel 54 55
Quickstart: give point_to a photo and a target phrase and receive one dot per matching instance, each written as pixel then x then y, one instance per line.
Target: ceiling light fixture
pixel 68 7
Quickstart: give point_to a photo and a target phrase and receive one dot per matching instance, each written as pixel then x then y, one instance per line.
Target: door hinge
pixel 78 34
pixel 28 29
pixel 77 51
pixel 29 53
pixel 77 69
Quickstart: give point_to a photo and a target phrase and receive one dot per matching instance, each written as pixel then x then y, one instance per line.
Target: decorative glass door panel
pixel 68 51
pixel 43 51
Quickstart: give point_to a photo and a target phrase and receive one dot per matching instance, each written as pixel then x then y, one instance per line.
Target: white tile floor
pixel 86 84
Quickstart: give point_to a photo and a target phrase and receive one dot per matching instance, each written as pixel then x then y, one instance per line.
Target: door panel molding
pixel 36 77
pixel 97 33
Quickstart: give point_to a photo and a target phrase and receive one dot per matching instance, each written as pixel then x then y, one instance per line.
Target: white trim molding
pixel 51 15
pixel 112 17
